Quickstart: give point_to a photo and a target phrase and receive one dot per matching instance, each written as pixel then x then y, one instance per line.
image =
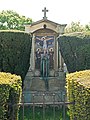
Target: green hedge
pixel 10 92
pixel 15 48
pixel 78 91
pixel 75 49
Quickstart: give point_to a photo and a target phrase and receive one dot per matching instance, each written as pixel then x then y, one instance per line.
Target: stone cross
pixel 45 10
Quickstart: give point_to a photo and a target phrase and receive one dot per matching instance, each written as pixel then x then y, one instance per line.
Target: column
pixel 32 58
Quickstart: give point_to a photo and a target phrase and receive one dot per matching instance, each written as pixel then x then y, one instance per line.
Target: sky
pixel 60 11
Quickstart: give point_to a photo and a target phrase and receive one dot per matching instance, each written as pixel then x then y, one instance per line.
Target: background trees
pixel 12 20
pixel 77 27
pixel 87 27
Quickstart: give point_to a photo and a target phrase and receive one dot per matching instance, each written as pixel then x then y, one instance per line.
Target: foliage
pixel 10 91
pixel 75 49
pixel 78 91
pixel 15 49
pixel 12 20
pixel 74 27
pixel 87 27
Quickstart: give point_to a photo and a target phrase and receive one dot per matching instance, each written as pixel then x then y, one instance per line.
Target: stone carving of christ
pixel 44 39
pixel 44 43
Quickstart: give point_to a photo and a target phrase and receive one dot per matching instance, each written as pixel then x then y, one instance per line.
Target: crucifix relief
pixel 45 10
pixel 44 49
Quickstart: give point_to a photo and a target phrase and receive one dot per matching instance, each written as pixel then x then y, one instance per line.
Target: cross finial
pixel 45 10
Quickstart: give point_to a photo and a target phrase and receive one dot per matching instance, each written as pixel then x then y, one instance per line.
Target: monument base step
pixel 39 89
pixel 43 96
pixel 39 84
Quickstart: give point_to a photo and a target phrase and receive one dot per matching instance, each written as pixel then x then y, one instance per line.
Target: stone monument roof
pixel 45 23
pixel 48 21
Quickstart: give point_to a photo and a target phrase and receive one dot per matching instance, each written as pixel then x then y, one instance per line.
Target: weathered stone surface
pixel 37 85
pixel 51 73
pixel 37 73
pixel 43 96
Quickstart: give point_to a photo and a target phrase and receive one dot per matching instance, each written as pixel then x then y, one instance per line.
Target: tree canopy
pixel 12 20
pixel 77 27
pixel 74 27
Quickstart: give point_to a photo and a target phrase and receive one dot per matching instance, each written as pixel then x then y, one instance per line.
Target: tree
pixel 74 27
pixel 87 27
pixel 12 20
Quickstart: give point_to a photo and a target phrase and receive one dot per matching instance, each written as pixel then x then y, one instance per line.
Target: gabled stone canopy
pixel 45 23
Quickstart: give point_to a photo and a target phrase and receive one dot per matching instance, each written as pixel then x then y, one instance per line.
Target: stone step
pixel 43 96
pixel 38 84
pixel 56 84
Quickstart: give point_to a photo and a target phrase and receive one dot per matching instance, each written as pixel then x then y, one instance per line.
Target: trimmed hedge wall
pixel 10 92
pixel 78 91
pixel 75 49
pixel 15 48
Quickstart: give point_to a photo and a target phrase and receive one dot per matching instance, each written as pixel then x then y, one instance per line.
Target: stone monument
pixel 45 73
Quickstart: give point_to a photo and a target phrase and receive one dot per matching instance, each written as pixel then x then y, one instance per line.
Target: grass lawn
pixel 49 113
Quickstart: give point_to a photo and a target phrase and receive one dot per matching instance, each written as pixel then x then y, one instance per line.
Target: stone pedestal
pixel 37 86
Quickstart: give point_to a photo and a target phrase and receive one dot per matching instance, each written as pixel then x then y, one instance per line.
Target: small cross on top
pixel 45 10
